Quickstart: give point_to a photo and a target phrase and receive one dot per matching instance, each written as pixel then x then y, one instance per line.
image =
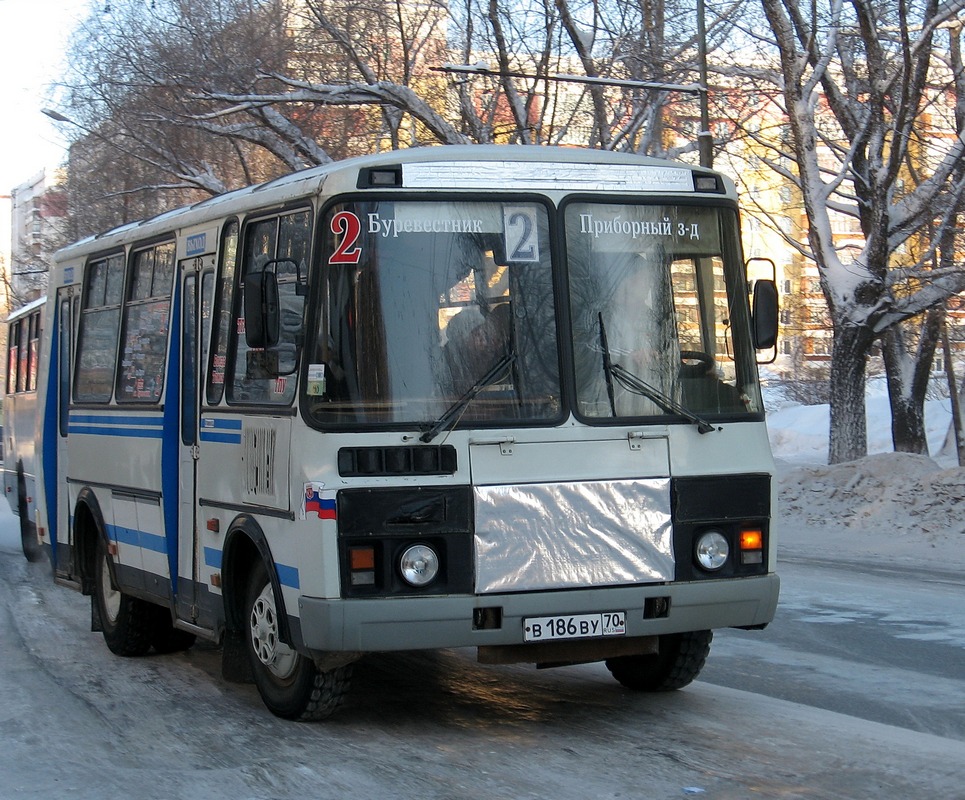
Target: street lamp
pixel 56 116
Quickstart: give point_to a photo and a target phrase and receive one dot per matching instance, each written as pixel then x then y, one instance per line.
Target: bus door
pixel 55 458
pixel 197 276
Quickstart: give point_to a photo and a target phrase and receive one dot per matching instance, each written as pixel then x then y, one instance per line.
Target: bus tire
pixel 289 683
pixel 32 550
pixel 126 622
pixel 679 661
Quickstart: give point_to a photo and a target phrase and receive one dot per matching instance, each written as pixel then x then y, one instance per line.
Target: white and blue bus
pixel 24 327
pixel 485 396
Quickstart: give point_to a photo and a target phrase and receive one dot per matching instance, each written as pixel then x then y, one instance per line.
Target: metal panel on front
pixel 501 460
pixel 573 535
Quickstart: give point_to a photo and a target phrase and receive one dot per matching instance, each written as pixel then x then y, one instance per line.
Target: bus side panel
pixel 20 414
pixel 124 532
pixel 120 454
pixel 244 462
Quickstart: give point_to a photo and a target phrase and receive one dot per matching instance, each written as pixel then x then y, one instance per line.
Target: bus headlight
pixel 419 565
pixel 712 550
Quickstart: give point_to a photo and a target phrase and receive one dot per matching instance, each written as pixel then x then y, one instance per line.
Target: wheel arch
pixel 89 528
pixel 245 545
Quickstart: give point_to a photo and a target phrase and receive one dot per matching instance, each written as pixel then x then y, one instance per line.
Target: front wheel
pixel 678 662
pixel 289 683
pixel 127 622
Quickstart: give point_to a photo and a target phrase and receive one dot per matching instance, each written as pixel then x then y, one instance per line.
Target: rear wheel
pixel 28 530
pixel 289 683
pixel 679 661
pixel 127 622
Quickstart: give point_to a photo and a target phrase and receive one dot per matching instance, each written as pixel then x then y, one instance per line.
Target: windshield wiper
pixel 495 372
pixel 636 385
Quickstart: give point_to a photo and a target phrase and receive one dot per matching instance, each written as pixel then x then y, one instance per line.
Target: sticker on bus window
pixel 522 239
pixel 349 226
pixel 316 380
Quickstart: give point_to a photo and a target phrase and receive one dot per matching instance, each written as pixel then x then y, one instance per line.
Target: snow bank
pixel 890 493
pixel 898 508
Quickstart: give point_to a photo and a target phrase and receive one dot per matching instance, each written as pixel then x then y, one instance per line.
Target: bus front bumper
pixel 416 623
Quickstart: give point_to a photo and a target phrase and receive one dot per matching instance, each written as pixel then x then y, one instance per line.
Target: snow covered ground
pixel 890 508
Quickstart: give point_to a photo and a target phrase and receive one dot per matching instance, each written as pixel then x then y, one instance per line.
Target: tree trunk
pixel 849 430
pixel 955 437
pixel 908 425
pixel 908 376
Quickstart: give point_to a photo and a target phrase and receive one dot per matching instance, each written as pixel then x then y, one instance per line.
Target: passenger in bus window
pixel 477 337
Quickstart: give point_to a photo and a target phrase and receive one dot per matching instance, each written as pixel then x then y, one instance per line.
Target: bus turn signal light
pixel 362 565
pixel 752 546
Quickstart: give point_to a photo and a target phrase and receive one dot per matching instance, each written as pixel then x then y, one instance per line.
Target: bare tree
pixel 856 80
pixel 144 140
pixel 207 96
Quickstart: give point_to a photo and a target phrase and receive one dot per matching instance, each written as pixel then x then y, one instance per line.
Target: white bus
pixel 24 328
pixel 486 396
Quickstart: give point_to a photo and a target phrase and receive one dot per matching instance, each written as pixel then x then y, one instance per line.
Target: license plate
pixel 574 626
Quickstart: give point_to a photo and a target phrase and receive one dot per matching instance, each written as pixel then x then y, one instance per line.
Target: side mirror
pixel 262 315
pixel 764 312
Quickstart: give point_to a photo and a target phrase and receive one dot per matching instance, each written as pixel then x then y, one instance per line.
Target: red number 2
pixel 347 251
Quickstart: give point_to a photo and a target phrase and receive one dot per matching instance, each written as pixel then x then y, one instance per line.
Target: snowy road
pixel 78 722
pixel 886 646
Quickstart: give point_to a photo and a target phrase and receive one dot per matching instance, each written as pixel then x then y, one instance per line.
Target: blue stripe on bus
pixel 171 442
pixel 212 557
pixel 227 424
pixel 136 433
pixel 224 431
pixel 140 427
pixel 287 576
pixel 146 541
pixel 50 438
pixel 224 438
pixel 116 419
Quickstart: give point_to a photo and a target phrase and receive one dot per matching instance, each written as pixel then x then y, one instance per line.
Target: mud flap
pixel 235 666
pixel 96 625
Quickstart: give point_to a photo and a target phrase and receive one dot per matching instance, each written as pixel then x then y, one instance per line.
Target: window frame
pixel 87 312
pixel 130 387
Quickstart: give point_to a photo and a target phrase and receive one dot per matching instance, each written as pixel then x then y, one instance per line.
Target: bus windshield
pixel 658 302
pixel 442 314
pixel 435 310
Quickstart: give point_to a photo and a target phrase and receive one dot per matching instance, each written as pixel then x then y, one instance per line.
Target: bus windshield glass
pixel 660 320
pixel 434 311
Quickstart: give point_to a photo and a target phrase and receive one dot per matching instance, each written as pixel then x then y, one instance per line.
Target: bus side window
pixel 33 354
pixel 267 375
pixel 99 330
pixel 146 321
pixel 23 336
pixel 13 356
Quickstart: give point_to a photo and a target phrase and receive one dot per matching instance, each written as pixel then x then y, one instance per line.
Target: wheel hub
pixel 110 595
pixel 278 657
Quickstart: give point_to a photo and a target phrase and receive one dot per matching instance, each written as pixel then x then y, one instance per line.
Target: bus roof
pixel 25 309
pixel 442 167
